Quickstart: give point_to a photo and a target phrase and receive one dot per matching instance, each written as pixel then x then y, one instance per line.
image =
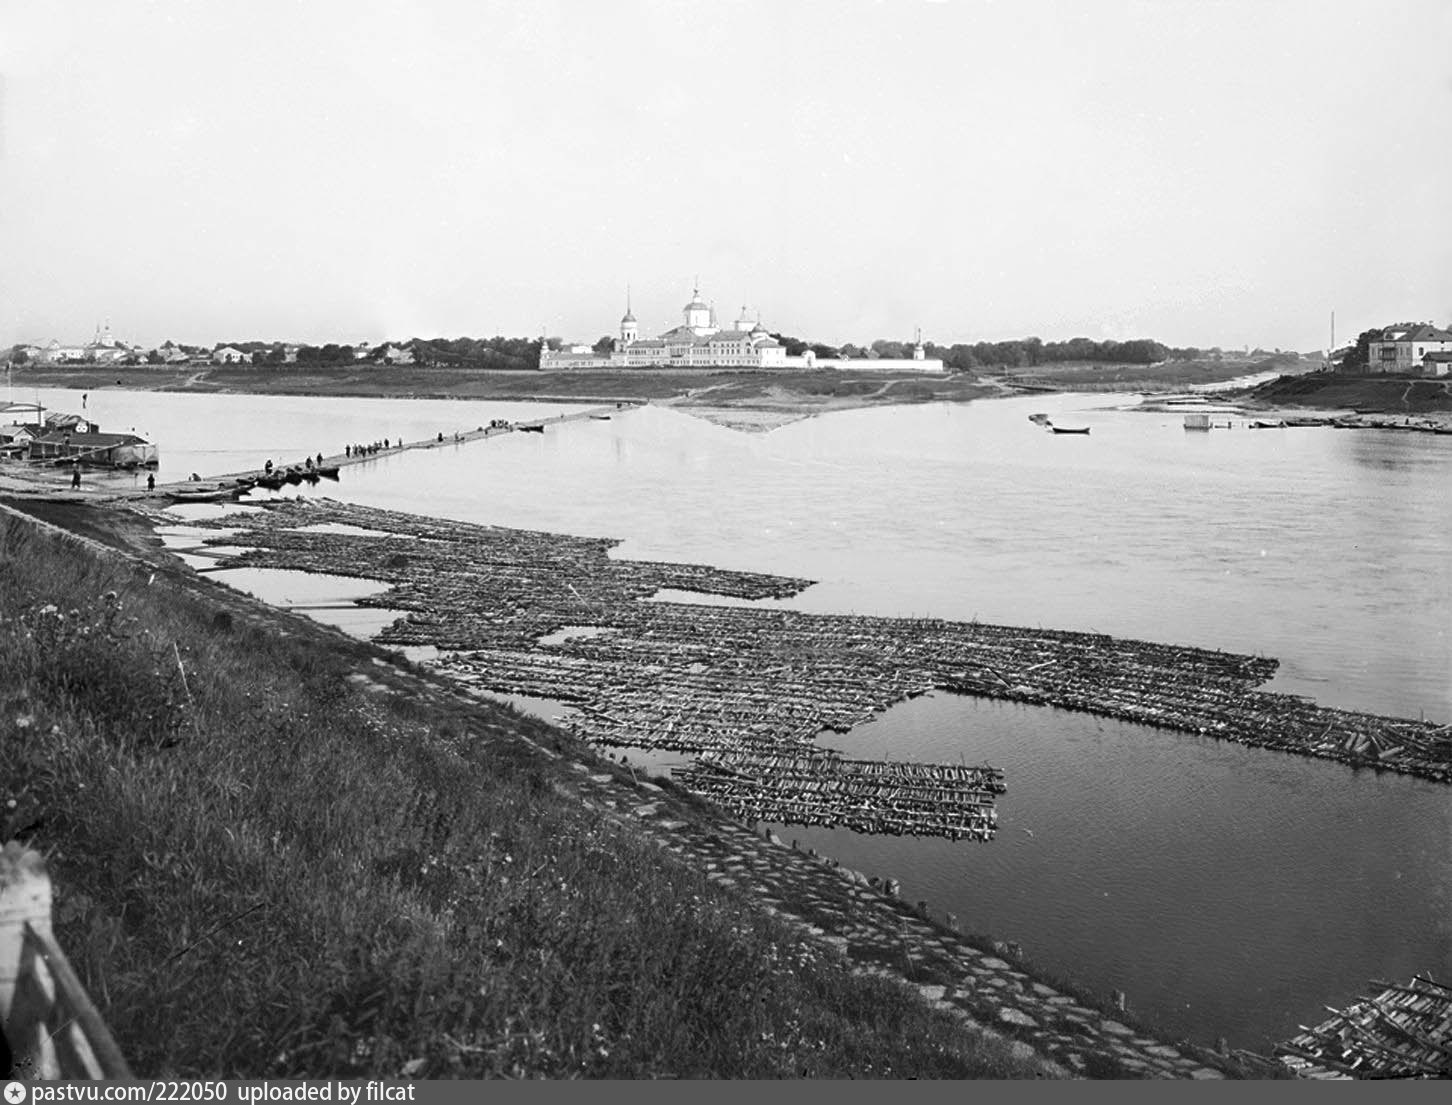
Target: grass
pixel 1380 393
pixel 264 871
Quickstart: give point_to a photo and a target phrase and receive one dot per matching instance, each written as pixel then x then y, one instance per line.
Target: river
pixel 1228 891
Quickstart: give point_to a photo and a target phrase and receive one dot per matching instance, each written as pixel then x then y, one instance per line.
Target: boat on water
pixel 1069 429
pixel 328 471
pixel 207 494
pixel 1262 424
pixel 536 429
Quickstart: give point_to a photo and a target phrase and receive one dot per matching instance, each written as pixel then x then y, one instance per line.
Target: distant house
pixel 1404 348
pixel 397 354
pixel 289 354
pixel 1437 364
pixel 362 350
pixel 56 353
pixel 230 355
pixel 171 353
pixel 16 438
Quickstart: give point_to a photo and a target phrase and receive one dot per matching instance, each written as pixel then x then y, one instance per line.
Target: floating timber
pixel 1402 1032
pixel 817 787
pixel 694 678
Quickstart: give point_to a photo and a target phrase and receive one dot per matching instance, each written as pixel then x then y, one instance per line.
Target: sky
pixel 1220 172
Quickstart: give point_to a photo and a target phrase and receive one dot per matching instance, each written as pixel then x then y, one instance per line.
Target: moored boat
pixel 207 494
pixel 1069 429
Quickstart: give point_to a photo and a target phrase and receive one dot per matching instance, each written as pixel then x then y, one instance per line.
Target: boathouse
pixel 94 448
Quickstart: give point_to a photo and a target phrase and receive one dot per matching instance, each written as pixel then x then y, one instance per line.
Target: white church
pixel 699 343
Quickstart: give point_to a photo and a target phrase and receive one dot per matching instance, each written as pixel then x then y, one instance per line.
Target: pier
pixel 55 484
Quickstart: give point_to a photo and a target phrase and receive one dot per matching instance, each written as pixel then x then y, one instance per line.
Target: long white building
pixel 699 343
pixel 696 343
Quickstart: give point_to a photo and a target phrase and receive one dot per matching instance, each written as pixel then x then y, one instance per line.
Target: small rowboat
pixel 536 429
pixel 1069 429
pixel 207 494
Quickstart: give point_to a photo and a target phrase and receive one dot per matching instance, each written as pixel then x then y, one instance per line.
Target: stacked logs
pixel 1402 1032
pixel 690 678
pixel 814 787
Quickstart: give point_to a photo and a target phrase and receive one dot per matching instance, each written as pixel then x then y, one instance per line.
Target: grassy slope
pixel 1380 394
pixel 265 871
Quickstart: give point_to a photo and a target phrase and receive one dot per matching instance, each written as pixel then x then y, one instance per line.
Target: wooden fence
pixel 51 1028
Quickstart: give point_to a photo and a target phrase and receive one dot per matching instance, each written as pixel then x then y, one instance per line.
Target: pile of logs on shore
pixel 693 678
pixel 817 787
pixel 1402 1032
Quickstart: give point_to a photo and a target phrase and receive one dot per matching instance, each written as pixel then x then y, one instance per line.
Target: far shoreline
pixel 750 400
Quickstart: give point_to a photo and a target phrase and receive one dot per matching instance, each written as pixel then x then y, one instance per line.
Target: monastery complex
pixel 699 343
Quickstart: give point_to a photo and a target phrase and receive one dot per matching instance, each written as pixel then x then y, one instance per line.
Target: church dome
pixel 629 316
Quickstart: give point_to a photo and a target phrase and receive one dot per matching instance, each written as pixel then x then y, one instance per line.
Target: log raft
pixel 695 678
pixel 1405 1031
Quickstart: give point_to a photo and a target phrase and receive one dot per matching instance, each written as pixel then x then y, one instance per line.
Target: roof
pixel 627 317
pixel 97 441
pixel 1422 332
pixel 1441 355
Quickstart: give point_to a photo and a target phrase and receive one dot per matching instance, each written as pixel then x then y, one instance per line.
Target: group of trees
pixel 523 353
pixel 1021 353
pixel 496 352
pixel 1032 352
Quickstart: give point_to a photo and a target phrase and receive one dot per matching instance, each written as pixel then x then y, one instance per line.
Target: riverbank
pixel 747 400
pixel 621 927
pixel 1399 397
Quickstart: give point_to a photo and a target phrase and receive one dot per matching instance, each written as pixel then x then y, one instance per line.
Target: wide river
pixel 1228 891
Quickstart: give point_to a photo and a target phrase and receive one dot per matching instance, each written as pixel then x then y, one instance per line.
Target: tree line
pixel 523 353
pixel 1019 353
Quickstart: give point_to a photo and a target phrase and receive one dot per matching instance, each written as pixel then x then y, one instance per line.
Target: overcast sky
pixel 1208 173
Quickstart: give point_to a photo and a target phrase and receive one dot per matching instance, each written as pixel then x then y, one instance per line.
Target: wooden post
pixel 25 992
pixel 49 1023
